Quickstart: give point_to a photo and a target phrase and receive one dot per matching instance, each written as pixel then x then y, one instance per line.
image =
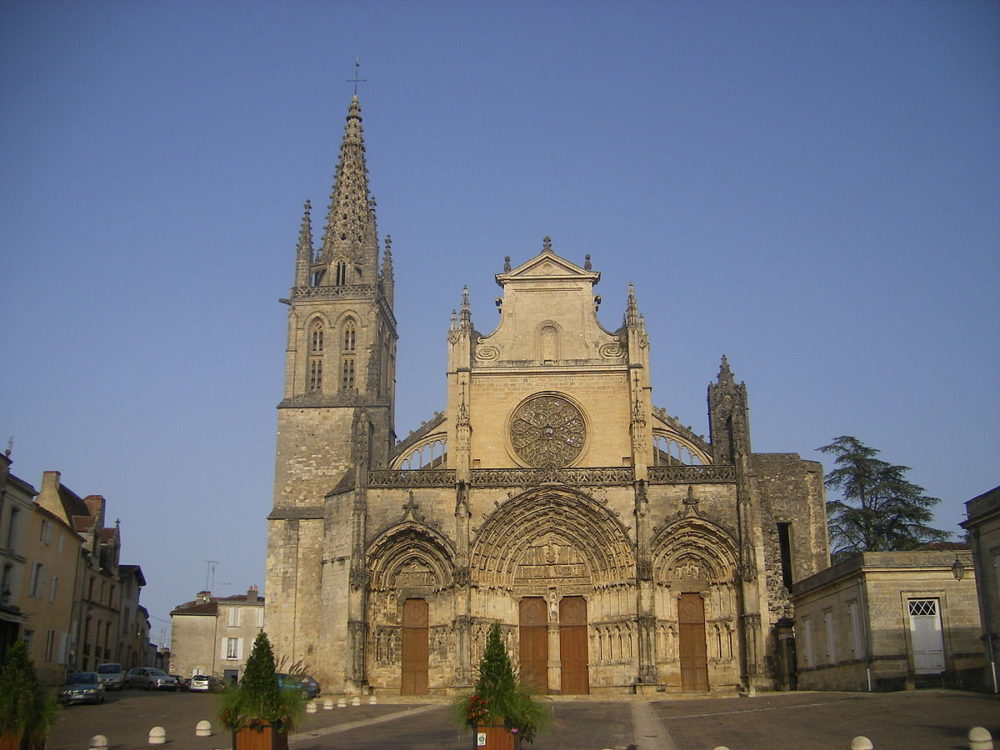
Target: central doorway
pixel 533 635
pixel 415 648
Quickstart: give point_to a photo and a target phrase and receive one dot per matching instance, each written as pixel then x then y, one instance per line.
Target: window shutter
pixel 222 649
pixel 239 648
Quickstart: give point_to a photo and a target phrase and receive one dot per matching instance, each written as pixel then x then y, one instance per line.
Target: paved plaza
pixel 921 720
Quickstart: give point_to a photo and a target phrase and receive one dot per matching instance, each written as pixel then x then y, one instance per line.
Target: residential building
pixel 16 502
pixel 54 563
pixel 212 635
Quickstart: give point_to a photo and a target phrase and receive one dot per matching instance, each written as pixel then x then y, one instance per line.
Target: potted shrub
pixel 501 708
pixel 27 710
pixel 257 711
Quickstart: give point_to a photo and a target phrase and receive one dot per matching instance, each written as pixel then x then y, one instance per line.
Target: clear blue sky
pixel 812 188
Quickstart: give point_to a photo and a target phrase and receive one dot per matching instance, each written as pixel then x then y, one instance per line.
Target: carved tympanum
pixel 547 431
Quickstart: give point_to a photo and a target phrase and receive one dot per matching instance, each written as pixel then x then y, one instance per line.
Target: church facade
pixel 620 551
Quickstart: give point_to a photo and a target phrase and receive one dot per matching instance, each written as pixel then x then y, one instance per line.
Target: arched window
pixel 350 336
pixel 347 374
pixel 314 364
pixel 316 337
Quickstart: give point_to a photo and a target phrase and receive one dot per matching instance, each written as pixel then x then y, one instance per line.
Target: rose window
pixel 547 431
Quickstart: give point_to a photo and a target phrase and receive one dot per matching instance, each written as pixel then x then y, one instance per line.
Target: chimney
pixel 252 593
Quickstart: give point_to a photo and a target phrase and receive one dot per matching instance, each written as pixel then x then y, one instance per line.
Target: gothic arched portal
pixel 411 569
pixel 555 558
pixel 694 570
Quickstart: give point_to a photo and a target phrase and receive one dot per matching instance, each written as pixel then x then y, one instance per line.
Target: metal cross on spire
pixel 356 80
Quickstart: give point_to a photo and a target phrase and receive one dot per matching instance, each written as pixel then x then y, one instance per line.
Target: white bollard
pixel 373 701
pixel 157 736
pixel 341 703
pixel 311 707
pixel 203 729
pixel 720 747
pixel 980 739
pixel 328 704
pixel 356 700
pixel 862 743
pixel 98 742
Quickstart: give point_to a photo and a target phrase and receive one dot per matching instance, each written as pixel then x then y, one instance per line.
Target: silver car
pixel 149 678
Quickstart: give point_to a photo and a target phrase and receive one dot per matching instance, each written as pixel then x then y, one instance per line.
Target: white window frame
pixel 234 617
pixel 260 617
pixel 232 649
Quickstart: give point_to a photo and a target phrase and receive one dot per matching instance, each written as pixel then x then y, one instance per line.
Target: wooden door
pixel 415 642
pixel 533 635
pixel 573 645
pixel 693 648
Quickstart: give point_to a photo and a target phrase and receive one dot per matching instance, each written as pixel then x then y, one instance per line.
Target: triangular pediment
pixel 548 265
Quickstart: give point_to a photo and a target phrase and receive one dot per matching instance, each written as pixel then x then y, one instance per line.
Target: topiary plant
pixel 500 699
pixel 258 700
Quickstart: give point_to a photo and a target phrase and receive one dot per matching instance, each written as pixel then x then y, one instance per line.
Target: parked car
pixel 82 687
pixel 111 675
pixel 149 678
pixel 302 682
pixel 203 683
pixel 182 682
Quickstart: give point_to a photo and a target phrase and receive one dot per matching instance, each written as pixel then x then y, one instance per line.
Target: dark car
pixel 303 682
pixel 82 687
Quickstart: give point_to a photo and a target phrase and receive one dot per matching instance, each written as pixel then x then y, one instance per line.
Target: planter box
pixel 263 737
pixel 495 738
pixel 10 741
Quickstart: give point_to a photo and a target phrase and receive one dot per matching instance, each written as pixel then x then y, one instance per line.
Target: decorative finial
pixel 465 312
pixel 356 80
pixel 725 374
pixel 10 446
pixel 586 262
pixel 506 264
pixel 546 244
pixel 631 308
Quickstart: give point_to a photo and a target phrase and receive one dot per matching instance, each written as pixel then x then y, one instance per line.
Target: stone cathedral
pixel 620 551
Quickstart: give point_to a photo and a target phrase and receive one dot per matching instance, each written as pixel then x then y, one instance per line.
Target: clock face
pixel 547 431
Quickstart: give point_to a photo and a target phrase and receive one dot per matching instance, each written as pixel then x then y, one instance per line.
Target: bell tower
pixel 335 420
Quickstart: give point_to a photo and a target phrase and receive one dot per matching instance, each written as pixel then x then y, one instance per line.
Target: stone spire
pixel 304 250
pixel 385 275
pixel 632 317
pixel 349 234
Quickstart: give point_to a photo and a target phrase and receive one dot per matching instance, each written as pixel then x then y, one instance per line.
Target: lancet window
pixel 314 369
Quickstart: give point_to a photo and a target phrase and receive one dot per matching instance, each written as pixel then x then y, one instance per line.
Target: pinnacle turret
pixel 304 249
pixel 725 374
pixel 632 317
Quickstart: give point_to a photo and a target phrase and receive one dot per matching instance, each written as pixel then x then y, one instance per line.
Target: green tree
pixel 878 509
pixel 500 699
pixel 27 710
pixel 258 699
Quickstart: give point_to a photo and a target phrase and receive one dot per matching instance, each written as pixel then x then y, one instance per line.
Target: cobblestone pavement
pixel 921 720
